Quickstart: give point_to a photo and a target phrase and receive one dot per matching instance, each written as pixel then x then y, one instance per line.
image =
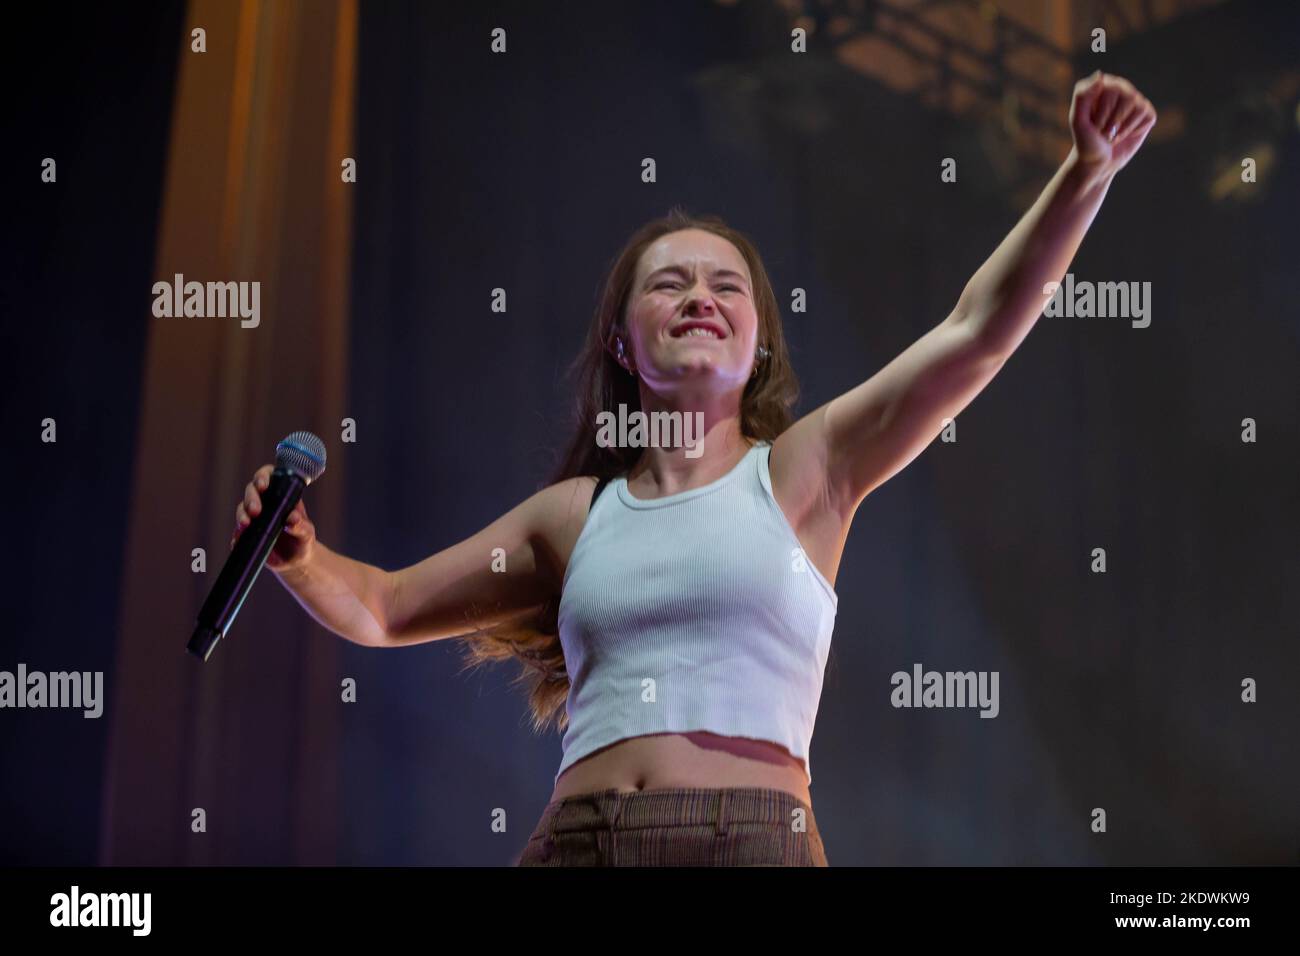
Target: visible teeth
pixel 699 331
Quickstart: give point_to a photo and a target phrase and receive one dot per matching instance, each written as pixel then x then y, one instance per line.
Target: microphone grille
pixel 303 453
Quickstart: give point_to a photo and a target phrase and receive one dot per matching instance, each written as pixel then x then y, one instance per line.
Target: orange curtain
pixel 261 123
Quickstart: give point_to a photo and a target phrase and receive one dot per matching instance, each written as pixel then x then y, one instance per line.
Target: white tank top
pixel 695 611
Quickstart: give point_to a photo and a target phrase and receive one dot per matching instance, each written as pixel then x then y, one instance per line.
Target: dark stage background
pixel 475 171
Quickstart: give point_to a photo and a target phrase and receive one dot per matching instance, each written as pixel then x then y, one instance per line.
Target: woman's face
pixel 692 279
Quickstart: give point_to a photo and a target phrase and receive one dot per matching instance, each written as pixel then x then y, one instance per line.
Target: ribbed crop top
pixel 694 611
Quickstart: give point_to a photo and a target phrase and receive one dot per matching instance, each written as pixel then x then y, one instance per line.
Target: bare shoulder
pixel 561 513
pixel 798 467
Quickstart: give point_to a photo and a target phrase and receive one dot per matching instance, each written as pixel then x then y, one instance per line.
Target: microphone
pixel 299 460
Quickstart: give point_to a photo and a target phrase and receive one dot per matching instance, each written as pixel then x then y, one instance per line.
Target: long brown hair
pixel 766 410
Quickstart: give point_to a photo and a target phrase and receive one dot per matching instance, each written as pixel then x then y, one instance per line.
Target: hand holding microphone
pixel 271 527
pixel 293 547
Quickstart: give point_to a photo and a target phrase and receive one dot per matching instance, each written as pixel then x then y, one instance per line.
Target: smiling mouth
pixel 696 332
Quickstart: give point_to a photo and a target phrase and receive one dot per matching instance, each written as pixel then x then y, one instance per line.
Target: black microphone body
pixel 246 560
pixel 300 459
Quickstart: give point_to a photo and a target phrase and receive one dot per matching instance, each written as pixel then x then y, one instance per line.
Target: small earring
pixel 760 354
pixel 618 344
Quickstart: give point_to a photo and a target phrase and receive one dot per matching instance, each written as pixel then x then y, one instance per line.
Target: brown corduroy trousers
pixel 678 826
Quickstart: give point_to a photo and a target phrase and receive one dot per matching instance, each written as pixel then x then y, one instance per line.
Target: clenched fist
pixel 293 547
pixel 1110 120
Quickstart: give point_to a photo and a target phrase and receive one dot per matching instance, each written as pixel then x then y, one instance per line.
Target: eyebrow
pixel 682 271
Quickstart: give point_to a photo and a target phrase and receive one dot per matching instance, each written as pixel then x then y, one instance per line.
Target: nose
pixel 699 302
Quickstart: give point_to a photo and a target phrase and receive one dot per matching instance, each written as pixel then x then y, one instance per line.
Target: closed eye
pixel 674 285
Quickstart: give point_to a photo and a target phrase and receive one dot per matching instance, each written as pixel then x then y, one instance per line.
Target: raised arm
pixel 868 434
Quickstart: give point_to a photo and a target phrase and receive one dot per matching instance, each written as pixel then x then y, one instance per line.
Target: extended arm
pixel 872 431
